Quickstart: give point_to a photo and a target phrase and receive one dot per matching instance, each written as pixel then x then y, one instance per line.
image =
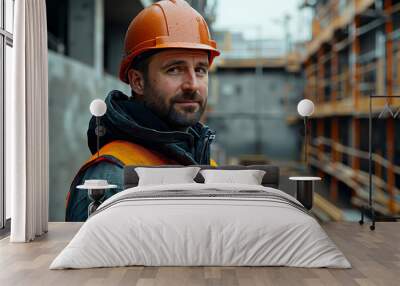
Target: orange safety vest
pixel 124 153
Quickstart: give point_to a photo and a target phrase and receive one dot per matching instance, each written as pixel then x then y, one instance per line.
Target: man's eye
pixel 173 70
pixel 202 71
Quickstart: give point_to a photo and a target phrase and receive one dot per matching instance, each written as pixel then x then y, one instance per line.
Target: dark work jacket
pixel 127 119
pixel 130 120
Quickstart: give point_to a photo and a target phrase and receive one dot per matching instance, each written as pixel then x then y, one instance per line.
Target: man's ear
pixel 136 81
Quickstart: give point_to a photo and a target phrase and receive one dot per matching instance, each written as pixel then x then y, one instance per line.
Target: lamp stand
pixel 305 142
pixel 100 131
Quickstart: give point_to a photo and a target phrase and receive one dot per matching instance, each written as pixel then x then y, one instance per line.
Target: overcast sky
pixel 247 15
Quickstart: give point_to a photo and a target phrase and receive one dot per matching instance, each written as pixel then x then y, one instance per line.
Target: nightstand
pixel 305 190
pixel 96 190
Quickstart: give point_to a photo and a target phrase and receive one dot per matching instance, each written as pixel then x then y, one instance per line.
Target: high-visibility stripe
pixel 131 154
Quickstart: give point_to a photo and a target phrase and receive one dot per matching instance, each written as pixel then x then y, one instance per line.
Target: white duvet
pixel 206 230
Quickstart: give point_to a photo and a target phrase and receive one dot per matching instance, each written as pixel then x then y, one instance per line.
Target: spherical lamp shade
pixel 305 107
pixel 98 107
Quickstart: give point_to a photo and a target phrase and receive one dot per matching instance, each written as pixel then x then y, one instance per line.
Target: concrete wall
pixel 72 86
pixel 236 109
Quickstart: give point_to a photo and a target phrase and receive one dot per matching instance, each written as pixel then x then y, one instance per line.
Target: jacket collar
pixel 130 120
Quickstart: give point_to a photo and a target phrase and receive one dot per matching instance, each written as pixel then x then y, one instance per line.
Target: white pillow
pixel 248 177
pixel 162 176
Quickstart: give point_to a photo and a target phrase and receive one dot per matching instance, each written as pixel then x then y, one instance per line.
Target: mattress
pixel 201 225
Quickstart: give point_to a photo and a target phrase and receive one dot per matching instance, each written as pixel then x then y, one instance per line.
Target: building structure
pixel 254 85
pixel 355 53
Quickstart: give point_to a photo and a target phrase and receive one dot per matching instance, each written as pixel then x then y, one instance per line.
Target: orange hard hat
pixel 166 24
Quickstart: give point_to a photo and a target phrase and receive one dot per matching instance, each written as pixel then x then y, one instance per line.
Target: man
pixel 168 51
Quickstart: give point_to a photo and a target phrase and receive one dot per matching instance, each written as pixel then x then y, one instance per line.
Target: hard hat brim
pixel 127 60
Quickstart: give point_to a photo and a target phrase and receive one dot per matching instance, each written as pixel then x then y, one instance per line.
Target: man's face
pixel 176 86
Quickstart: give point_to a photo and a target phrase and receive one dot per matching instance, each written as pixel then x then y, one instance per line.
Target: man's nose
pixel 191 81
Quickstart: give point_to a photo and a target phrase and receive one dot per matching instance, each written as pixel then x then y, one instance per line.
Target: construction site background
pixel 254 89
pixel 354 54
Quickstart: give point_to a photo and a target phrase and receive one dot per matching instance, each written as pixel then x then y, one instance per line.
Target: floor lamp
pixel 96 188
pixel 305 184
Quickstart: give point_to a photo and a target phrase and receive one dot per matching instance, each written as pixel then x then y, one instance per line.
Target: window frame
pixel 6 39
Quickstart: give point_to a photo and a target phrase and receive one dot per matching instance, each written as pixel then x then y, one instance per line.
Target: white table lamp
pixel 98 108
pixel 305 108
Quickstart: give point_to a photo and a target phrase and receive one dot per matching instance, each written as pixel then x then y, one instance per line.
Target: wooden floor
pixel 374 255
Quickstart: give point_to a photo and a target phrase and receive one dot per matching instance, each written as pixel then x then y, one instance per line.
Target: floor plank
pixel 375 257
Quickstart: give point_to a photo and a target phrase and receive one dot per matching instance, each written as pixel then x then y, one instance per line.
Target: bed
pixel 201 224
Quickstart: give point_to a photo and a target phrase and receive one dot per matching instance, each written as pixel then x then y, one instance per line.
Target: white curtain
pixel 27 147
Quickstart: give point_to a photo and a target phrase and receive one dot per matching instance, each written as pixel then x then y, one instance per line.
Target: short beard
pixel 175 119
